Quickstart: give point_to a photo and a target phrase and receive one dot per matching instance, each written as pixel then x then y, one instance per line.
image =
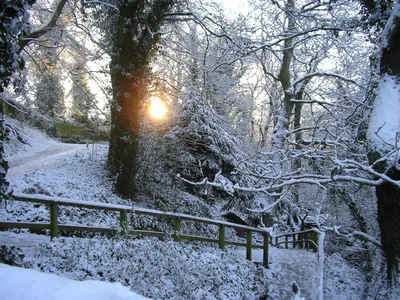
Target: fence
pixel 54 227
pixel 307 239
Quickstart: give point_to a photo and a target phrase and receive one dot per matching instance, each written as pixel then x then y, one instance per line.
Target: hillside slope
pixel 159 269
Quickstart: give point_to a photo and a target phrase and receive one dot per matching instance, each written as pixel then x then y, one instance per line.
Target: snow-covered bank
pixel 155 268
pixel 160 269
pixel 23 284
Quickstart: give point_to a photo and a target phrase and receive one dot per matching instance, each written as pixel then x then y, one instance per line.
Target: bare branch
pixel 102 3
pixel 328 74
pixel 44 29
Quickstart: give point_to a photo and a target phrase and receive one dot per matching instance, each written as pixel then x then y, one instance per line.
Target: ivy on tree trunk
pixel 3 163
pixel 134 44
pixel 388 194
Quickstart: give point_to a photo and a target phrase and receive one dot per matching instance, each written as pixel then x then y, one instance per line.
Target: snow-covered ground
pixel 159 269
pixel 22 284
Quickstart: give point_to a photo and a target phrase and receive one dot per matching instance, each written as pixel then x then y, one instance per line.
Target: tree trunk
pixel 285 80
pixel 133 45
pixel 128 95
pixel 388 194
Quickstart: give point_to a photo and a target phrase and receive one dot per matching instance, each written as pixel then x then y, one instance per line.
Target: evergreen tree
pixel 82 99
pixel 50 96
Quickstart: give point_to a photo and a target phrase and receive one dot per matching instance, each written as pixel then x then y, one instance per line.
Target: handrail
pixel 54 226
pixel 68 202
pixel 307 239
pixel 297 232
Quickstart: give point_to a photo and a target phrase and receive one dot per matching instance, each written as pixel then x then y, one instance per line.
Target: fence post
pixel 177 229
pixel 265 250
pixel 294 240
pixel 286 242
pixel 221 236
pixel 314 238
pixel 306 237
pixel 249 242
pixel 276 241
pixel 301 240
pixel 123 220
pixel 53 220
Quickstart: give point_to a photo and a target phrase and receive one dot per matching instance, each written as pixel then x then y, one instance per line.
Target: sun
pixel 157 108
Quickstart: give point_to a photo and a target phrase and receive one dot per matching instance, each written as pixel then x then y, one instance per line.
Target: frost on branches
pixel 205 145
pixel 14 24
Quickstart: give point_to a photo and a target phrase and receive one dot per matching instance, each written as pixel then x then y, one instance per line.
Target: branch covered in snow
pixel 326 74
pixel 367 237
pixel 45 28
pixel 355 233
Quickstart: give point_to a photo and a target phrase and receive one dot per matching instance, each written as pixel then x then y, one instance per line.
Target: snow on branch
pixel 306 34
pixel 367 237
pixel 13 106
pixel 279 182
pixel 390 25
pixel 102 3
pixel 355 233
pixel 200 21
pixel 327 74
pixel 45 28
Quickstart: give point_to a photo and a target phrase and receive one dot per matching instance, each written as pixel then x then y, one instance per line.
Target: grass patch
pixel 67 129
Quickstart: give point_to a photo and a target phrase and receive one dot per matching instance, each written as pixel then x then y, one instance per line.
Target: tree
pixel 133 30
pixel 49 90
pixel 14 25
pixel 320 133
pixel 383 137
pixel 82 98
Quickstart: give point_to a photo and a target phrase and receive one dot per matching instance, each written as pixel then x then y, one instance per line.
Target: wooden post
pixel 177 229
pixel 306 236
pixel 294 240
pixel 300 239
pixel 53 220
pixel 123 220
pixel 221 237
pixel 265 250
pixel 286 241
pixel 314 238
pixel 249 242
pixel 276 241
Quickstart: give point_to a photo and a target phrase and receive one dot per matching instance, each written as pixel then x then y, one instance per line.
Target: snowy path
pixel 43 157
pixel 287 266
pixel 22 240
pixel 46 161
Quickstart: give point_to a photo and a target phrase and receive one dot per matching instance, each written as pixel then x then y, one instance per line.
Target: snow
pixel 321 257
pixel 385 118
pixel 154 268
pixel 23 284
pixel 390 25
pixel 286 266
pixel 66 201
